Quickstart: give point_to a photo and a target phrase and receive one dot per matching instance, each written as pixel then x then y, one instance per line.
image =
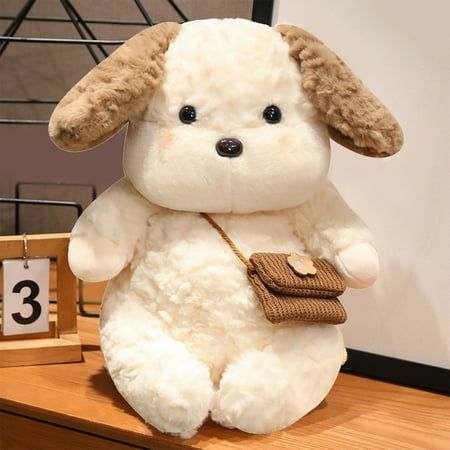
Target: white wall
pixel 401 49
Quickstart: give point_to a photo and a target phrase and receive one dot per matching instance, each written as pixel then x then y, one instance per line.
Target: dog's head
pixel 225 115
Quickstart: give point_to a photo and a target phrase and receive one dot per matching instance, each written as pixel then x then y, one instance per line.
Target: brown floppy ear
pixel 112 92
pixel 356 119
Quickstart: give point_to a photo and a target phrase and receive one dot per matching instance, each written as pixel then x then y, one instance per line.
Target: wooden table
pixel 76 406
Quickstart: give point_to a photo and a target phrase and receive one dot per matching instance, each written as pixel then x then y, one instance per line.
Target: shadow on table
pixel 90 348
pixel 103 384
pixel 333 412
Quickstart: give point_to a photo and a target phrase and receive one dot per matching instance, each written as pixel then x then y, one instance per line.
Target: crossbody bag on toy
pixel 292 287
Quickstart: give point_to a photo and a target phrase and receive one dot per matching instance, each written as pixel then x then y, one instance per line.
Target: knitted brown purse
pixel 292 287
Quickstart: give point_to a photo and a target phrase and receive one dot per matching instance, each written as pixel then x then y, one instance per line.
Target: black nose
pixel 229 147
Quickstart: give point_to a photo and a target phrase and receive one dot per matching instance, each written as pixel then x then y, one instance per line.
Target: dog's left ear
pixel 114 91
pixel 356 119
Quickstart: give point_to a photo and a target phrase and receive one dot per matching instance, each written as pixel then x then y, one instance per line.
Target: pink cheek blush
pixel 284 139
pixel 166 138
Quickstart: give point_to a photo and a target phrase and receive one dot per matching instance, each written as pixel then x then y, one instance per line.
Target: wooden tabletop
pixel 358 413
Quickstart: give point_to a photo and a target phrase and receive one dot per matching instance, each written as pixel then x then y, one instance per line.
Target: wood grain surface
pixel 358 414
pixel 21 433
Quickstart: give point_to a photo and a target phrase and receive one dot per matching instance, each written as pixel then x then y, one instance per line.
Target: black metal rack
pixel 61 203
pixel 95 46
pixel 261 12
pixel 17 195
pixel 18 200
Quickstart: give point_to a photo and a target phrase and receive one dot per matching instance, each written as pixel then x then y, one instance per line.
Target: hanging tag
pixel 25 296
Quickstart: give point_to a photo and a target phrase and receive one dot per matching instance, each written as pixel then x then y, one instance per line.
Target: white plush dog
pixel 232 118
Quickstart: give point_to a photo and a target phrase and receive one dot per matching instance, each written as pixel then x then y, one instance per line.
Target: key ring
pixel 25 251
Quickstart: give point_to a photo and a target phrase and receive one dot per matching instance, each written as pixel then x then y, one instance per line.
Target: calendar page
pixel 25 296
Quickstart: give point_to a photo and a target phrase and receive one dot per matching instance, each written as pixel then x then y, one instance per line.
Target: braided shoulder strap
pixel 228 240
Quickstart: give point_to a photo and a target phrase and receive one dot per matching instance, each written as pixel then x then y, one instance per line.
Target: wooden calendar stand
pixel 61 343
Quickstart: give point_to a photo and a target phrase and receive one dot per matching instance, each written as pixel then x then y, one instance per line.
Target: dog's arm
pixel 103 240
pixel 331 230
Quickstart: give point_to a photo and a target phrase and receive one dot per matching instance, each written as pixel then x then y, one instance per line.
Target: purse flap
pixel 286 308
pixel 275 272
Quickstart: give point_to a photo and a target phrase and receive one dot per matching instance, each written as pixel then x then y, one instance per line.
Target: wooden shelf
pixel 79 404
pixel 63 344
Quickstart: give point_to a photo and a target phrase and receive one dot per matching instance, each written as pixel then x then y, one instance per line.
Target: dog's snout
pixel 229 147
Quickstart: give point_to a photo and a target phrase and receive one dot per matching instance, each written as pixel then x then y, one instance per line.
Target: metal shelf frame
pixel 261 12
pixel 95 46
pixel 17 201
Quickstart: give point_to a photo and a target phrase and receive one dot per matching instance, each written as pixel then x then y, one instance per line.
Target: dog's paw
pixel 218 417
pixel 95 258
pixel 255 401
pixel 358 265
pixel 185 434
pixel 217 414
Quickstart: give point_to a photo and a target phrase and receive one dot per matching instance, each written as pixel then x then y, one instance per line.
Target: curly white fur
pixel 181 330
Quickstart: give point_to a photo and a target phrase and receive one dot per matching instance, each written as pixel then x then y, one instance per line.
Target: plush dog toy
pixel 231 118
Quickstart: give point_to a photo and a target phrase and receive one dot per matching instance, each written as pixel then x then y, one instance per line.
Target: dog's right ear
pixel 119 88
pixel 356 119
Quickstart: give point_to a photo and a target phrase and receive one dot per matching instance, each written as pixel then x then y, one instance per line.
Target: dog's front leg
pixel 103 240
pixel 331 230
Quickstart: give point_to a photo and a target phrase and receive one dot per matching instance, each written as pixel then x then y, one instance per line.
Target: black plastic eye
pixel 187 114
pixel 272 114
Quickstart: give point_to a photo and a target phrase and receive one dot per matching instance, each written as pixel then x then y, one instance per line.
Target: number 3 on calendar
pixel 25 296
